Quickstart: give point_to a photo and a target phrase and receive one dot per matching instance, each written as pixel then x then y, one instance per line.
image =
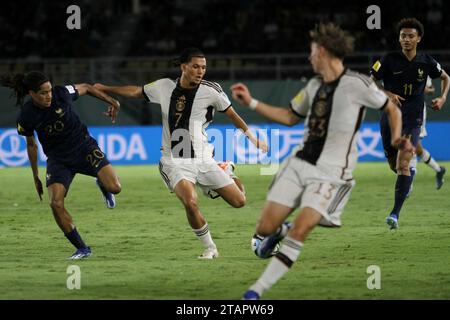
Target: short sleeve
pixel 221 102
pixel 73 92
pixel 152 92
pixel 300 103
pixel 369 95
pixel 379 67
pixel 435 68
pixel 24 128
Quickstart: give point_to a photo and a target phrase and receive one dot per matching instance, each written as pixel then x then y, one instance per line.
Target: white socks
pixel 428 159
pixel 278 265
pixel 204 236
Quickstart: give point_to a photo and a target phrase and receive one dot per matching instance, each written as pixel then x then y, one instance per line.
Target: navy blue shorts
pixel 389 151
pixel 89 160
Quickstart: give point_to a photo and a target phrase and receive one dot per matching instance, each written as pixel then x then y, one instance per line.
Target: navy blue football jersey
pixel 408 80
pixel 58 127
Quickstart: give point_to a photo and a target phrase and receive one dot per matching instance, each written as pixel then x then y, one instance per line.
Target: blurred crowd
pixel 38 28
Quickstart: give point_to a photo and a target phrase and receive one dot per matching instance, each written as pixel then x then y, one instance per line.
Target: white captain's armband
pixel 71 89
pixel 376 66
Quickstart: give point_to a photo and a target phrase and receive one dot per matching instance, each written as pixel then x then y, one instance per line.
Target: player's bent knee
pixel 403 166
pixel 239 202
pixel 191 204
pixel 115 188
pixel 56 205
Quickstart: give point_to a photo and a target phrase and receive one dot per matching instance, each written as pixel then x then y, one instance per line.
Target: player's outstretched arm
pixel 438 103
pixel 114 105
pixel 284 116
pixel 32 151
pixel 124 91
pixel 240 124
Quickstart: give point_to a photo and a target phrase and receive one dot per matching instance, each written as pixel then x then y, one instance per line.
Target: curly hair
pixel 412 23
pixel 335 40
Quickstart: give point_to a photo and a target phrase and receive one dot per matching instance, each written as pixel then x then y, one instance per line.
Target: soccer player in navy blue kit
pixel 65 141
pixel 404 75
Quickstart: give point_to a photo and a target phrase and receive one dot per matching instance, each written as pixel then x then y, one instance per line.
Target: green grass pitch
pixel 144 249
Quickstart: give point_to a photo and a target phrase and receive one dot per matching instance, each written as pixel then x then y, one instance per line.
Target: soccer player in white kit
pixel 423 153
pixel 188 105
pixel 318 177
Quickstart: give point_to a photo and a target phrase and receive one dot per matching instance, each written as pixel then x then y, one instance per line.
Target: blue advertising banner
pixel 134 145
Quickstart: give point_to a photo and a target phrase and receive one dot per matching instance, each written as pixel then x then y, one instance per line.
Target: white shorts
pixel 299 184
pixel 207 174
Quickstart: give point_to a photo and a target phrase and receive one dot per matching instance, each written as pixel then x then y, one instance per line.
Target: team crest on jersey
pixel 320 108
pixel 181 103
pixel 420 75
pixel 59 112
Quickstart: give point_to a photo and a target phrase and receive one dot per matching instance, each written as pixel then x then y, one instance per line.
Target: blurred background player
pixel 66 143
pixel 188 105
pixel 423 153
pixel 404 75
pixel 317 178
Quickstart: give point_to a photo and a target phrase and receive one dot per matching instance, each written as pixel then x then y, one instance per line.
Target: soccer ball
pixel 256 241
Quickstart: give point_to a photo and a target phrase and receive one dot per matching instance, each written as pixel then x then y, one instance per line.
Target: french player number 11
pixel 408 86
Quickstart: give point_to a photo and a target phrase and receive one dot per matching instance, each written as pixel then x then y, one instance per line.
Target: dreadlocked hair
pixel 21 83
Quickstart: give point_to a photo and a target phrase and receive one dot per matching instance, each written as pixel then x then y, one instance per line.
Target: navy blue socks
pixel 75 239
pixel 401 190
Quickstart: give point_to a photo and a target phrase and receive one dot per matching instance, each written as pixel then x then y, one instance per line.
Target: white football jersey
pixel 334 112
pixel 186 113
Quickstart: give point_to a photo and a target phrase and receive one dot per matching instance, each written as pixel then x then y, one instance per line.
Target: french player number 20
pixel 95 158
